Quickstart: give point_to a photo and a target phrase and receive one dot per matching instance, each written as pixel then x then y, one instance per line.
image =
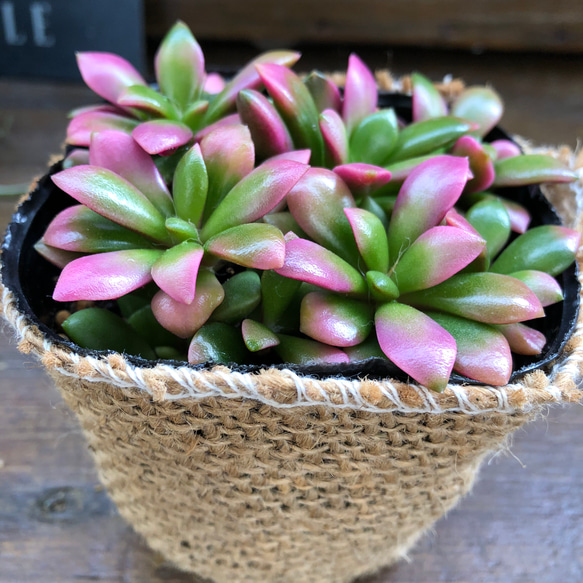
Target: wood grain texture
pixel 522 523
pixel 492 24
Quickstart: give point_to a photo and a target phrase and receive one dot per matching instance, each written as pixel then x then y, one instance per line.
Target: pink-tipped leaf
pixel 57 257
pixel 427 101
pixel 162 136
pixel 335 138
pixel 363 179
pixel 257 336
pixel 82 126
pixel 301 156
pixel 545 287
pixel 370 237
pixel 531 169
pixel 360 93
pixel 505 149
pixel 324 91
pixel 481 164
pixel 523 339
pixel 76 157
pixel 481 105
pixel 214 83
pixel 148 100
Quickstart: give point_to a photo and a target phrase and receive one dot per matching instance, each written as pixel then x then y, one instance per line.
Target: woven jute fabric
pixel 281 478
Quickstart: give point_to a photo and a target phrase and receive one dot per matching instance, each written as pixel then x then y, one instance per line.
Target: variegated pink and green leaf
pixel 363 179
pixel 335 138
pixel 257 336
pixel 545 287
pixel 427 101
pixel 324 92
pixel 531 169
pixel 82 126
pixel 523 339
pixel 481 165
pixel 161 136
pixel 481 105
pixel 360 93
pixel 371 238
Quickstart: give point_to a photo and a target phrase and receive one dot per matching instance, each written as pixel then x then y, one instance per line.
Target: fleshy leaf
pixel 335 320
pixel 193 117
pixel 374 138
pixel 360 93
pixel 481 164
pixel 303 351
pixel 105 276
pixel 519 216
pixel 229 120
pixel 301 156
pixel 185 319
pixel 363 179
pixel 179 66
pixel 246 78
pixel 107 74
pixel 181 230
pixel 57 257
pixel 483 353
pixel 257 336
pixel 242 296
pixel 229 156
pixel 285 222
pixel 401 170
pixel 254 196
pixel 82 126
pixel 368 349
pixel 219 343
pixel 214 83
pixel 425 197
pixel 491 298
pixel 76 157
pixel 296 107
pixel 505 149
pixel 190 186
pixel 491 220
pixel 370 237
pixel 113 197
pixel 531 169
pixel 545 287
pixel 78 228
pixel 480 105
pixel 435 256
pixel 335 139
pixel 278 293
pixel 119 153
pixel 269 133
pixel 162 136
pixel 416 344
pixel 548 248
pixel 146 325
pixel 307 261
pixel 93 328
pixel 317 203
pixel 427 101
pixel 175 272
pixel 372 205
pixel 382 288
pixel 255 245
pixel 523 339
pixel 149 100
pixel 324 92
pixel 422 137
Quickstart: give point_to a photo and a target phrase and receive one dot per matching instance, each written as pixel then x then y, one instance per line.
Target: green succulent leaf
pixel 375 138
pixel 324 91
pixel 531 169
pixel 150 100
pixel 370 237
pixel 277 292
pixel 190 186
pixel 481 105
pixel 303 351
pixel 382 288
pixel 490 218
pixel 427 101
pixel 368 349
pixel 219 343
pixel 257 336
pixel 242 296
pixel 146 325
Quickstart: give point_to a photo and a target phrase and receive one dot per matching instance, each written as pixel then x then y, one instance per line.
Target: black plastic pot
pixel 31 278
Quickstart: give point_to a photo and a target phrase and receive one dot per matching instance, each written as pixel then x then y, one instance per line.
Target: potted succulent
pixel 292 318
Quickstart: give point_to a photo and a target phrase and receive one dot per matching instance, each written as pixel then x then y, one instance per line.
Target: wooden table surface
pixel 523 521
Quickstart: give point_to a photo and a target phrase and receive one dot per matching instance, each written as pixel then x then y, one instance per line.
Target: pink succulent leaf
pixel 101 107
pixel 162 136
pixel 307 261
pixel 454 219
pixel 523 339
pixel 548 248
pixel 254 196
pixel 269 133
pixel 481 164
pixel 79 229
pixel 360 93
pixel 229 120
pixel 301 156
pixel 247 78
pixel 317 203
pixel 185 319
pixel 370 237
pixel 214 83
pixel 492 221
pixel 374 138
pixel 335 320
pixel 255 245
pixel 295 106
pixel 531 169
pixel 303 351
pixel 179 65
pixel 416 344
pixel 324 91
pixel 401 170
pixel 435 256
pixel 257 336
pixel 121 154
pixel 229 155
pixel 56 256
pixel 190 186
pixel 481 105
pixel 76 157
pixel 105 276
pixel 175 272
pixel 505 149
pixel 545 287
pixel 425 197
pixel 427 101
pixel 83 125
pixel 114 198
pixel 217 342
pixel 491 298
pixel 363 179
pixel 107 74
pixel 335 138
pixel 483 353
pixel 149 100
pixel 519 216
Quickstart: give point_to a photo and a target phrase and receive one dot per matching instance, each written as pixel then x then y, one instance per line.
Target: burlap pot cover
pixel 282 478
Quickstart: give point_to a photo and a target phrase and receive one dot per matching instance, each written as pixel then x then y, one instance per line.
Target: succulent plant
pixel 395 243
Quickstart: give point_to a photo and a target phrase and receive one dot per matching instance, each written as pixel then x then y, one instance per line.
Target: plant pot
pixel 284 474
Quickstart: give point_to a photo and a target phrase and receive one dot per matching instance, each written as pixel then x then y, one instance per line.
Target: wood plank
pixel 482 24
